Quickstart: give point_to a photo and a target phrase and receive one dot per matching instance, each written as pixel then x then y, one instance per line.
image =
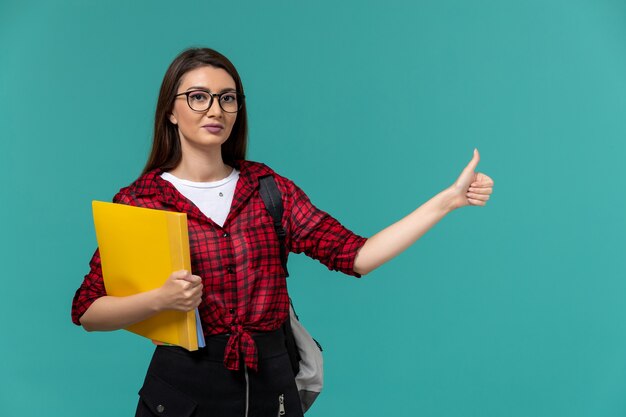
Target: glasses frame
pixel 240 99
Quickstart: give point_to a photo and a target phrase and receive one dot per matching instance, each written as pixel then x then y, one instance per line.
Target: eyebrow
pixel 223 90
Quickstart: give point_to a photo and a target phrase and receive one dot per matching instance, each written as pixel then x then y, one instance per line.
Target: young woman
pixel 198 166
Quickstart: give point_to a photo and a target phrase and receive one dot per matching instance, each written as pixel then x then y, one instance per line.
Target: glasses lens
pixel 230 102
pixel 199 100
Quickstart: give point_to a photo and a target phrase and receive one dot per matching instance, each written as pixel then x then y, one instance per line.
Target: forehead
pixel 210 78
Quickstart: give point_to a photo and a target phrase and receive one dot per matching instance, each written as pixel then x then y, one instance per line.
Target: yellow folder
pixel 139 249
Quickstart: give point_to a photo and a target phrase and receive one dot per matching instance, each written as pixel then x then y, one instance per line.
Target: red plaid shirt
pixel 244 282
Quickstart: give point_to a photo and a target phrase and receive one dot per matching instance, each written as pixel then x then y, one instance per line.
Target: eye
pixel 198 97
pixel 229 98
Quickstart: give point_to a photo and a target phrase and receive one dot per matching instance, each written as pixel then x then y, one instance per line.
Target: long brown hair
pixel 166 151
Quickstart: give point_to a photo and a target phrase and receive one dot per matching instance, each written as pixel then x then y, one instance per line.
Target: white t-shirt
pixel 212 198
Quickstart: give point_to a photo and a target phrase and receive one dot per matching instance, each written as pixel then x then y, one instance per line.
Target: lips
pixel 213 127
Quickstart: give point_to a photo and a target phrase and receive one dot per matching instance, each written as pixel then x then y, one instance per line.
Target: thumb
pixel 471 167
pixel 194 279
pixel 181 274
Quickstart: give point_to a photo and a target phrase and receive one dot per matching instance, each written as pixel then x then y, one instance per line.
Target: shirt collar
pixel 151 184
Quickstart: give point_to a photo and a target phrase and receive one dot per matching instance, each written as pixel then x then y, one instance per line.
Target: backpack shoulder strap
pixel 274 204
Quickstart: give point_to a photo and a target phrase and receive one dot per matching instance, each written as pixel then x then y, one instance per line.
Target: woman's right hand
pixel 182 292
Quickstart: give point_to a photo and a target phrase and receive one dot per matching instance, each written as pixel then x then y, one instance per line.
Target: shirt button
pixel 160 408
pixel 226 234
pixel 231 310
pixel 230 270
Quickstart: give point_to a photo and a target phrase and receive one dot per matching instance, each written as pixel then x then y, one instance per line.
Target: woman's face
pixel 209 128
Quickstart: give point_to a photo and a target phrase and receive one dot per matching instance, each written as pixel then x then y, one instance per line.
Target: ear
pixel 173 119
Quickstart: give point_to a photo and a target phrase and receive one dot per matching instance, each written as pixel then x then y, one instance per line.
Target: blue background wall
pixel 515 309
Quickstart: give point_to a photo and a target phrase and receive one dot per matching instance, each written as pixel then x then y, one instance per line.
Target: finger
pixel 475 202
pixel 474 196
pixel 197 291
pixel 196 285
pixel 482 180
pixel 179 275
pixel 194 279
pixel 479 190
pixel 482 184
pixel 471 167
pixel 480 187
pixel 190 288
pixel 194 292
pixel 196 300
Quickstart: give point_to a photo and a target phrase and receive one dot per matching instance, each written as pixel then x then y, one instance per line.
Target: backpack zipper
pixel 245 372
pixel 281 405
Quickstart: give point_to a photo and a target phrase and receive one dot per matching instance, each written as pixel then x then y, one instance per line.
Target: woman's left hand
pixel 471 188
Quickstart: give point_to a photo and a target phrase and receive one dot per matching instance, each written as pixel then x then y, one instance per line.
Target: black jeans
pixel 180 383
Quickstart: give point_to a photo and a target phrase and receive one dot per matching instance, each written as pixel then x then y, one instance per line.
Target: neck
pixel 205 166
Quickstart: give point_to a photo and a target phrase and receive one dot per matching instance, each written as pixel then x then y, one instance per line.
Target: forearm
pixel 113 313
pixel 393 240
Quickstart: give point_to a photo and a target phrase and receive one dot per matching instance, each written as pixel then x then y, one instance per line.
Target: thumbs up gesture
pixel 471 188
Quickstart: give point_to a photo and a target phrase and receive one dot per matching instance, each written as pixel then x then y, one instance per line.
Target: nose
pixel 214 109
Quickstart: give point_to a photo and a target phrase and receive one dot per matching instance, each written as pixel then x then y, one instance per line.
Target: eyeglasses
pixel 201 100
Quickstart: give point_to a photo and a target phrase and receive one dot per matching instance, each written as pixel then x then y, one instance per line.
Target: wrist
pixel 447 199
pixel 156 300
